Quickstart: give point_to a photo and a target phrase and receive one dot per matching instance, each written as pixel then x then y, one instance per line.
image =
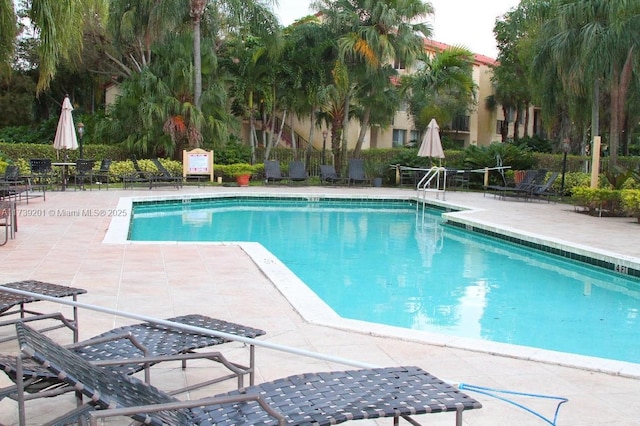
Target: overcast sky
pixel 458 22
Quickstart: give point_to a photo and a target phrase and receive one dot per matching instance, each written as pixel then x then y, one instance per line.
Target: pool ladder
pixel 435 180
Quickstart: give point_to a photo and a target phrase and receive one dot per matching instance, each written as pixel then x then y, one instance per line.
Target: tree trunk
pixel 623 92
pixel 364 126
pixel 595 110
pixel 312 129
pixel 614 131
pixel 345 133
pixel 516 126
pixel 504 129
pixel 252 129
pixel 527 117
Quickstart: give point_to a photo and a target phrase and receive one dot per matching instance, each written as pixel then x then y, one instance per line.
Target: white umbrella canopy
pixel 66 131
pixel 431 145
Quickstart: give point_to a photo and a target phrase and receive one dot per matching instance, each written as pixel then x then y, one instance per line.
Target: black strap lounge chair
pixel 314 398
pixel 130 349
pixel 139 176
pixel 297 172
pixel 356 172
pixel 542 190
pixel 165 177
pixel 17 307
pixel 328 175
pixel 273 172
pixel 502 190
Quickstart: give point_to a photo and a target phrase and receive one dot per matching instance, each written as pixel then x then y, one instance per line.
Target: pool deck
pixel 60 243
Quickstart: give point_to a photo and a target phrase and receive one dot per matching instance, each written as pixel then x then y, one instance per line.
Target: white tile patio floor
pixel 163 280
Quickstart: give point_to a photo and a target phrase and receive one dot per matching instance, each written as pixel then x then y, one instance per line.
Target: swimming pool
pixel 382 263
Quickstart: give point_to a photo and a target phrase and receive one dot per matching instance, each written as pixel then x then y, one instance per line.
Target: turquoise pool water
pixel 381 262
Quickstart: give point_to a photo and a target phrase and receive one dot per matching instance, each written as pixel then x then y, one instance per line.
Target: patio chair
pixel 102 175
pixel 297 172
pixel 138 176
pixel 39 179
pixel 130 349
pixel 8 219
pixel 313 398
pixel 356 172
pixel 13 186
pixel 273 172
pixel 83 173
pixel 462 179
pixel 328 175
pixel 165 178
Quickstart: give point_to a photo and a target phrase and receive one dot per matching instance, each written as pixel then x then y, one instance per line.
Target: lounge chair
pixel 297 172
pixel 102 175
pixel 83 172
pixel 138 176
pixel 502 190
pixel 328 175
pixel 313 398
pixel 165 178
pixel 130 349
pixel 273 172
pixel 356 172
pixel 542 190
pixel 12 304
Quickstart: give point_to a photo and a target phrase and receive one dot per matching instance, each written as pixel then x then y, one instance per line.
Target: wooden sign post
pixel 197 163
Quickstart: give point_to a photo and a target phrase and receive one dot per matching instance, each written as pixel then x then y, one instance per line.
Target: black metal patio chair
pixel 102 175
pixel 84 168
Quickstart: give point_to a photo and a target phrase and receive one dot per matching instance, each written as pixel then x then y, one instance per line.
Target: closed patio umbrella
pixel 431 145
pixel 66 132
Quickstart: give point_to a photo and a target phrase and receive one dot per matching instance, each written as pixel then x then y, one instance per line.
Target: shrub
pixel 599 200
pixel 630 199
pixel 237 169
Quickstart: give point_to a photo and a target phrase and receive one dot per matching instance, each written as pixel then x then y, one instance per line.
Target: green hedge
pixel 14 151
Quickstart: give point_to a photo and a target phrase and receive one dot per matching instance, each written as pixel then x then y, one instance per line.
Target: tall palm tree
pixel 442 88
pixel 593 43
pixel 376 33
pixel 60 26
pixel 8 31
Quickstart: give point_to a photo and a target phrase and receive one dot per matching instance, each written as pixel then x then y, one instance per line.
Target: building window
pixel 415 138
pixel 399 137
pixel 460 123
pixel 499 125
pixel 398 65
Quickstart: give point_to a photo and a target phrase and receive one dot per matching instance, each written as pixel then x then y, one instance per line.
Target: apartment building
pixel 481 127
